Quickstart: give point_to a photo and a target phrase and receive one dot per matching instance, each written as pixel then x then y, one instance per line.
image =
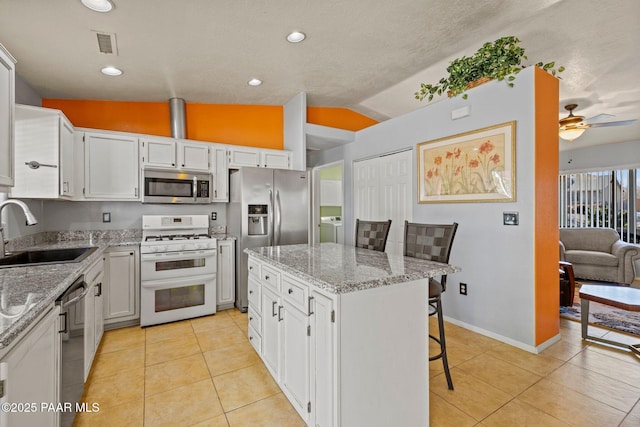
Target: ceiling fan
pixel 572 126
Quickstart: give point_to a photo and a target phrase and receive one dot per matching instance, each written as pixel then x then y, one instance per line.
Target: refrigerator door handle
pixel 270 218
pixel 278 219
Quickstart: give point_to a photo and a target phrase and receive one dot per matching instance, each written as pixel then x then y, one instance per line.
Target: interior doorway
pixel 328 203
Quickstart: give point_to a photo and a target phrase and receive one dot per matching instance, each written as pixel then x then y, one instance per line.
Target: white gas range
pixel 177 268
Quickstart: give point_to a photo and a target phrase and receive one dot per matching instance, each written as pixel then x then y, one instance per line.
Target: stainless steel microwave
pixel 166 186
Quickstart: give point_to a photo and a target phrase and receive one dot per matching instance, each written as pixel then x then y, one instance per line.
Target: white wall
pixel 600 157
pixel 496 260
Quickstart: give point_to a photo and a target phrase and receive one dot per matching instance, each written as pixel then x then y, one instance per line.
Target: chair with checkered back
pixel 433 242
pixel 372 234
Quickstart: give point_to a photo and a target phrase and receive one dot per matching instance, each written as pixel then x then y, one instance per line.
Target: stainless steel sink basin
pixel 46 256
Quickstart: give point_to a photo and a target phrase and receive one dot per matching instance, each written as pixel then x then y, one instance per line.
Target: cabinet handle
pixel 65 329
pixel 250 292
pixel 250 268
pixel 173 164
pixel 290 291
pixel 309 306
pixel 280 319
pixel 99 286
pixel 266 277
pixel 250 319
pixel 273 309
pixel 34 164
pixel 250 338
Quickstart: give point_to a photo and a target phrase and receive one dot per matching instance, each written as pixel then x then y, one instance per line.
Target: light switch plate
pixel 106 216
pixel 510 218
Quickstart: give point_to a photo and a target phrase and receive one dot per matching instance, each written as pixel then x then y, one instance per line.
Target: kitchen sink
pixel 46 256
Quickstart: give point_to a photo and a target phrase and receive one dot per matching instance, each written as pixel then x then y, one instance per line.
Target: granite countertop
pixel 27 292
pixel 341 269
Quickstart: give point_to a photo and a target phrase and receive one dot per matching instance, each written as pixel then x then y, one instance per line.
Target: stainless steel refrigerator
pixel 267 207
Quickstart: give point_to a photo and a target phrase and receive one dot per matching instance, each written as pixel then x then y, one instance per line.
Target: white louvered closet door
pixel 383 190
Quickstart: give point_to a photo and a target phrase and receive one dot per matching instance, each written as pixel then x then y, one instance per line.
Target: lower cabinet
pixel 226 277
pixel 94 320
pixel 29 374
pixel 122 293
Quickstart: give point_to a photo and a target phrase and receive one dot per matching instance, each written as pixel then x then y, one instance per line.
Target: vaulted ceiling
pixel 366 55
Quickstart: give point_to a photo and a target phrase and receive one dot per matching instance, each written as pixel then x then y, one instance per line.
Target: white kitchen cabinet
pixel 220 171
pixel 93 313
pixel 294 356
pixel 44 154
pixel 111 166
pixel 256 157
pixel 7 103
pixel 122 289
pixel 330 193
pixel 30 374
pixel 170 153
pixel 270 331
pixel 226 276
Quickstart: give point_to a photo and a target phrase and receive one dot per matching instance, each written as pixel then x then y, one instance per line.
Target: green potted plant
pixel 500 60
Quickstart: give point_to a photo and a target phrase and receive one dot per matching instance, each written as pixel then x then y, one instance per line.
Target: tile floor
pixel 204 372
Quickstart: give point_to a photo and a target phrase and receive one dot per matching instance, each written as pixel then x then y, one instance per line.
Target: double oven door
pixel 177 286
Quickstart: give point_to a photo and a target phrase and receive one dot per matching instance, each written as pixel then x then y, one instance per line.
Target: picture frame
pixel 475 166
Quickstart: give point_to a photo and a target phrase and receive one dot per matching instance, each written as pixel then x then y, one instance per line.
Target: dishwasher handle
pixel 78 284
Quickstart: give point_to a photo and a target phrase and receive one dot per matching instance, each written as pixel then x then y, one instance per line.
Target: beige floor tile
pixel 231 358
pixel 237 315
pixel 565 349
pixel 113 390
pixel 444 414
pixel 186 405
pixel 594 360
pixel 633 418
pixel 270 412
pixel 622 354
pixel 471 395
pixel 597 386
pixel 168 331
pixel 570 406
pixel 518 413
pixel 215 322
pixel 219 421
pixel 244 386
pixel 539 364
pixel 111 363
pixel 127 414
pixel 175 348
pixel 122 339
pixel 503 375
pixel 175 373
pixel 457 351
pixel 217 339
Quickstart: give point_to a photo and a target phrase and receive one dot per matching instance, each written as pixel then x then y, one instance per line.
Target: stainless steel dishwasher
pixel 71 304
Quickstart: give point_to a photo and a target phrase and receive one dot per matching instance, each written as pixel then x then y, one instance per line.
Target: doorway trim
pixel 315 198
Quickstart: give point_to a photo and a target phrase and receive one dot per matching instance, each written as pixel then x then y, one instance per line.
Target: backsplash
pixel 22 242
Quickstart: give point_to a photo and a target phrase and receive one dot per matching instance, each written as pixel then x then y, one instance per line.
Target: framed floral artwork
pixel 476 166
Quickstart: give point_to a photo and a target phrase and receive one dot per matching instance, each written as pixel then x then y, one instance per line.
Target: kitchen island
pixel 343 331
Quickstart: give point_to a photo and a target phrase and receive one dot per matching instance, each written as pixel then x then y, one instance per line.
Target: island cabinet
pixel 343 330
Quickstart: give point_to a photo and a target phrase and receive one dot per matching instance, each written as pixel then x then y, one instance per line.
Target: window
pixel 602 199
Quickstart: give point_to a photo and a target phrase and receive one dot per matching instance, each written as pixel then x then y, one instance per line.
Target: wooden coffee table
pixel 621 297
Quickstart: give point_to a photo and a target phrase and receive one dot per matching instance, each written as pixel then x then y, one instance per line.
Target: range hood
pixel 178 123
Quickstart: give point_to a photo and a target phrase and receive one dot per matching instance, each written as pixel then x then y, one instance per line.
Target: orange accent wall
pixel 341 118
pixel 546 251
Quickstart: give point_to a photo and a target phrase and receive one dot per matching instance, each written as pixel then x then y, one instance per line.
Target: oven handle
pixel 195 188
pixel 175 256
pixel 188 280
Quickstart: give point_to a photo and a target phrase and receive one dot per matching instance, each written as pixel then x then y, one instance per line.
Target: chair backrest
pixel 372 234
pixel 429 241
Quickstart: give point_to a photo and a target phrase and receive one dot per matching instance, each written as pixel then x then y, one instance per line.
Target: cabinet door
pixel 111 166
pixel 323 350
pixel 7 103
pixel 67 187
pixel 121 291
pixel 220 171
pixel 193 156
pixel 240 156
pixel 294 362
pixel 270 332
pixel 226 274
pixel 30 373
pixel 89 329
pixel 276 159
pixel 98 310
pixel 158 152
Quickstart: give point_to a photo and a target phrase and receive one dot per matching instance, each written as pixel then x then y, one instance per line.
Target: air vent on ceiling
pixel 107 42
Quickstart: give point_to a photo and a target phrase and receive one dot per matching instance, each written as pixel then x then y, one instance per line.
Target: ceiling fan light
pixel 571 134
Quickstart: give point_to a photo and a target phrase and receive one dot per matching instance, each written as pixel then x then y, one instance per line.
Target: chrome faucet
pixel 31 219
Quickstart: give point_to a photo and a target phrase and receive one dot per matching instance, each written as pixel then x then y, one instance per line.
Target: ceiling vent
pixel 107 43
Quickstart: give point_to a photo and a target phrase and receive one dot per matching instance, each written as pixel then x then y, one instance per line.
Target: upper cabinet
pixel 111 167
pixel 257 157
pixel 220 172
pixel 44 154
pixel 7 102
pixel 171 153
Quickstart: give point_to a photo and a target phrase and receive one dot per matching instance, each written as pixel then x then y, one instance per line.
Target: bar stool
pixel 433 242
pixel 372 234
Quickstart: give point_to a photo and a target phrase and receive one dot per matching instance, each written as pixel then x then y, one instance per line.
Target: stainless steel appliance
pixel 71 304
pixel 267 207
pixel 166 186
pixel 177 268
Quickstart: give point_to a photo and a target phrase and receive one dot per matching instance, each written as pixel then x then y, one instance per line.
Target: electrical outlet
pixel 214 216
pixel 106 216
pixel 463 288
pixel 510 218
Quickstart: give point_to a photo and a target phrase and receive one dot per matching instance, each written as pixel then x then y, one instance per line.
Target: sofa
pixel 599 254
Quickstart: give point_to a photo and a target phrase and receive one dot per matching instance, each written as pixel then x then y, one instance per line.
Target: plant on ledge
pixel 499 60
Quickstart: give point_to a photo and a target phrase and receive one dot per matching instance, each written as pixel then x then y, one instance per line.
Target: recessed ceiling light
pixel 254 82
pixel 111 71
pixel 98 5
pixel 296 37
